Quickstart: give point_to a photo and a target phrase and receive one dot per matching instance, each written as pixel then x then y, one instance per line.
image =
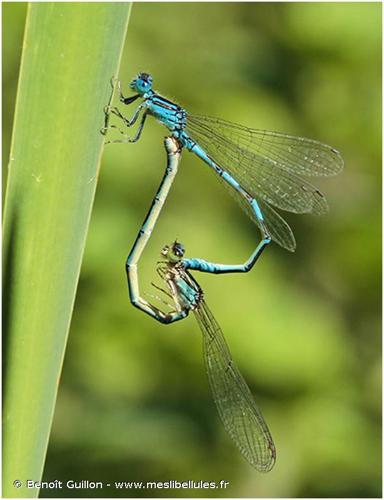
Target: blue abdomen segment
pixel 257 210
pixel 199 151
pixel 212 268
pixel 199 265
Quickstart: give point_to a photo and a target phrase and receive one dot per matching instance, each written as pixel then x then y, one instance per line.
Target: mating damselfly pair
pixel 265 171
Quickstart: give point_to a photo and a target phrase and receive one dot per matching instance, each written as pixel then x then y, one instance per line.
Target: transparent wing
pixel 234 401
pixel 297 155
pixel 269 165
pixel 278 228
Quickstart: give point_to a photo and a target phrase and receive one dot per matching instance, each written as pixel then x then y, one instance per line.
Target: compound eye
pixel 178 249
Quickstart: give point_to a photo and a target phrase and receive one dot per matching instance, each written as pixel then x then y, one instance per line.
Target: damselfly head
pixel 173 252
pixel 142 83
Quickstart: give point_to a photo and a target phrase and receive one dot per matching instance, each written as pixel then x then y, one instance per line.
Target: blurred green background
pixel 304 328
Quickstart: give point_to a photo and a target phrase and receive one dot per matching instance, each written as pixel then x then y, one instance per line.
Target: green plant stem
pixel 70 52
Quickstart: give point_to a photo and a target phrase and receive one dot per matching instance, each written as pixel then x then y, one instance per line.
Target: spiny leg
pixel 128 122
pixel 160 298
pixel 124 100
pixel 107 115
pixel 127 139
pixel 162 290
pixel 145 306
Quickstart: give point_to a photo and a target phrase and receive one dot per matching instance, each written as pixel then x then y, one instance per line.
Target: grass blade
pixel 70 52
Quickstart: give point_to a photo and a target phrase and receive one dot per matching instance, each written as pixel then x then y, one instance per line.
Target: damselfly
pixel 264 170
pixel 239 413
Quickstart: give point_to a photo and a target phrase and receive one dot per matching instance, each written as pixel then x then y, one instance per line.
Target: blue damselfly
pixel 265 171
